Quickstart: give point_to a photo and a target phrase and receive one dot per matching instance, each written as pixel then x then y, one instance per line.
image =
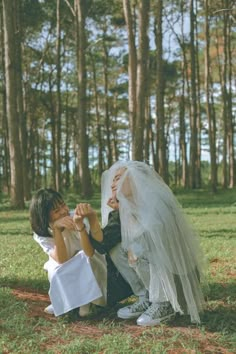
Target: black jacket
pixel 117 288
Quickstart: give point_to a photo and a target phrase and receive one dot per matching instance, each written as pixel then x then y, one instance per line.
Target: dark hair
pixel 41 204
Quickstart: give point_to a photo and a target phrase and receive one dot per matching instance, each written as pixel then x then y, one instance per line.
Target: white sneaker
pixel 133 311
pixel 49 310
pixel 85 310
pixel 156 313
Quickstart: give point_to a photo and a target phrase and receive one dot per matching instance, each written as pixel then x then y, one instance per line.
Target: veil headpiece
pixel 151 215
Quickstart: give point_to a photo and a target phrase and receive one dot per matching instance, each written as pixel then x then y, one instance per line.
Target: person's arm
pixel 111 234
pixel 84 237
pixel 102 240
pixel 59 253
pixel 85 210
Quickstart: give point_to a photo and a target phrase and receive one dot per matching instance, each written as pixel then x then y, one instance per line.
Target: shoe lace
pixel 139 305
pixel 153 309
pixel 159 309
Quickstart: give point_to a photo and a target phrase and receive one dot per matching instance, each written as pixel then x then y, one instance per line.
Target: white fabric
pixel 152 217
pixel 73 284
pixel 78 281
pixel 72 243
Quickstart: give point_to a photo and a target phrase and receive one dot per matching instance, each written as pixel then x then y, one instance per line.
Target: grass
pixel 25 328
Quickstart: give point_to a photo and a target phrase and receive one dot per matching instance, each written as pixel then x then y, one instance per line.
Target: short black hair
pixel 41 204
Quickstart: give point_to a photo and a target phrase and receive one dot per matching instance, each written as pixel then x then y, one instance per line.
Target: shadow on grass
pixel 97 315
pixel 220 315
pixel 21 232
pixel 14 218
pixel 221 233
pixel 205 198
pixel 220 319
pixel 222 291
pixel 40 286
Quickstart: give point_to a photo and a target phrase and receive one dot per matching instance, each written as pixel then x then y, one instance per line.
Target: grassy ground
pixel 25 328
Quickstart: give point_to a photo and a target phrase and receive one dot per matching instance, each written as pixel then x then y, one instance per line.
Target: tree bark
pixel 232 172
pixel 199 120
pixel 9 19
pixel 211 123
pixel 106 103
pixel 85 178
pixel 5 181
pixel 132 69
pixel 98 119
pixel 160 112
pixel 58 102
pixel 141 78
pixel 193 142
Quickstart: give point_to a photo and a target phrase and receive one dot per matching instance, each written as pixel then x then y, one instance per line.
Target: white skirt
pixel 73 284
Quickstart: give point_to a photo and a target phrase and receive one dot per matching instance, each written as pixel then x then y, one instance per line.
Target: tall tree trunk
pixel 86 186
pixel 132 69
pixel 193 143
pixel 52 110
pixel 20 104
pixel 198 97
pixel 9 20
pixel 232 172
pixel 182 133
pixel 107 118
pixel 211 125
pixel 144 6
pixel 225 103
pixel 160 112
pixel 67 143
pixel 5 183
pixel 148 127
pixel 58 104
pixel 98 119
pixel 115 149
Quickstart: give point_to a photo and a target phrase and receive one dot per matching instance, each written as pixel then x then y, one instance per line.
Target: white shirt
pixel 78 281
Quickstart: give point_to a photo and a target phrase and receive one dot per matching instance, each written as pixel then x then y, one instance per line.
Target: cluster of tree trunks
pixel 86 83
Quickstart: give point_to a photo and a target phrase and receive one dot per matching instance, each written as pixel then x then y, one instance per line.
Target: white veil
pixel 152 217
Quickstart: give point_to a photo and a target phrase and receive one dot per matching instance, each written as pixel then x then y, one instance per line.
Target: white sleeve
pixel 47 243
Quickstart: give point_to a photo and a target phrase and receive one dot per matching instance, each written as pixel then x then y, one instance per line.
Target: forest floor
pixel 26 328
pixel 174 337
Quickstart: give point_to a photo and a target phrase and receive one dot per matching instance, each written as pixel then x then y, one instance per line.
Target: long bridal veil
pixel 152 217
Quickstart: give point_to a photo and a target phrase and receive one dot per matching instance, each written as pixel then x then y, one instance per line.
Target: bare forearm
pixel 95 228
pixel 59 254
pixel 85 242
pixel 85 210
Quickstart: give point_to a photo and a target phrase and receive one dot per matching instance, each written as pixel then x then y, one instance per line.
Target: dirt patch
pixel 28 294
pixel 89 327
pixel 36 301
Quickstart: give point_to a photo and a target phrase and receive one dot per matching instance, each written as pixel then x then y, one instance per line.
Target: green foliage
pixel 26 329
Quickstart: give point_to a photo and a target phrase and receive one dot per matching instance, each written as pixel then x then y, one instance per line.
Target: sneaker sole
pixel 157 322
pixel 129 317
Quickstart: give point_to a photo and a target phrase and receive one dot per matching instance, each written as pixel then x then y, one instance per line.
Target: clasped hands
pixel 83 210
pixel 76 222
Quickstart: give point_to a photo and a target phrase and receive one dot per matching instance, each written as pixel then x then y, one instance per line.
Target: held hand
pixel 84 210
pixel 132 258
pixel 64 223
pixel 113 203
pixel 79 221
